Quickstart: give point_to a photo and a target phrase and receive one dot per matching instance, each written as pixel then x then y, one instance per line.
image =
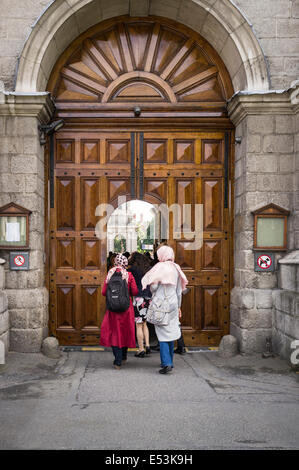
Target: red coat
pixel 118 329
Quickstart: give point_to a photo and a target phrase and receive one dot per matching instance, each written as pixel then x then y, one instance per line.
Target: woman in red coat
pixel 118 329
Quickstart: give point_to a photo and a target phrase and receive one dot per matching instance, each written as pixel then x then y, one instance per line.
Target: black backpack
pixel 117 295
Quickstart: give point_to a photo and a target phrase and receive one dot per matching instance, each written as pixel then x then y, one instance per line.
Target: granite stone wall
pixel 275 23
pixel 22 182
pixel 4 314
pixel 286 306
pixel 264 173
pixel 296 181
pixel 266 166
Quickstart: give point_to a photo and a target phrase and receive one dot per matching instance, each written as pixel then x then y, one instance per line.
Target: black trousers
pixel 180 342
pixel 119 355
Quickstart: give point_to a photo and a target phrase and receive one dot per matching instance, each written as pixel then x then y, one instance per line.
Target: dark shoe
pixel 147 350
pixel 180 351
pixel 156 348
pixel 165 370
pixel 140 354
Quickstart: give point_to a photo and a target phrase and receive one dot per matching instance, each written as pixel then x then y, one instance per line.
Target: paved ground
pixel 81 402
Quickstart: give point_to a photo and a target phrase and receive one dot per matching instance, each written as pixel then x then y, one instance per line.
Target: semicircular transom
pixel 138 91
pixel 144 82
pixel 140 60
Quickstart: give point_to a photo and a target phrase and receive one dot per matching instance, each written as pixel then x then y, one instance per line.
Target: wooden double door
pixel 94 167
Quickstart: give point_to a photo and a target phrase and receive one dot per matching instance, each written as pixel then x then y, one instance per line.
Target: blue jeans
pixel 166 353
pixel 119 355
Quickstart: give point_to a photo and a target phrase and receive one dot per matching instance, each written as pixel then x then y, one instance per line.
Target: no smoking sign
pixel 264 262
pixel 19 261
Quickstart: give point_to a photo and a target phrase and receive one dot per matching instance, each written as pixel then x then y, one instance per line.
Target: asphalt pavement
pixel 81 402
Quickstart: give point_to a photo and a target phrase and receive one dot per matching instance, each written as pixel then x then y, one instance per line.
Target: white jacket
pixel 172 331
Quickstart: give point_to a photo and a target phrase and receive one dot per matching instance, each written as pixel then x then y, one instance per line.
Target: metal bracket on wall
pixel 141 166
pixel 226 174
pixel 51 171
pixel 132 165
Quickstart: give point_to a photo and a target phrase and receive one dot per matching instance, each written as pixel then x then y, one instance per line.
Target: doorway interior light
pixel 49 129
pixel 131 226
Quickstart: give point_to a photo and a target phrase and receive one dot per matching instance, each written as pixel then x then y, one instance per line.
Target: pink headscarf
pixel 164 271
pixel 120 264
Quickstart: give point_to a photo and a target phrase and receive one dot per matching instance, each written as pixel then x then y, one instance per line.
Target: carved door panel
pixel 191 168
pixel 92 168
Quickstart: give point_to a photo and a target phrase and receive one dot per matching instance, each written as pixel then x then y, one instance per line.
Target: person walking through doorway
pixel 139 264
pixel 166 279
pixel 118 328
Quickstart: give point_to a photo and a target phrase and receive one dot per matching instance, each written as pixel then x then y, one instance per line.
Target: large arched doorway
pixel 176 149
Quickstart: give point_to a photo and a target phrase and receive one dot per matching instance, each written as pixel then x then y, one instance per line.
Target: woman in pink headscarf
pixel 118 329
pixel 166 279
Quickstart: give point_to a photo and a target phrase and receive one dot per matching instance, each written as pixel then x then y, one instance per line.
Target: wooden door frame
pixel 175 77
pixel 198 127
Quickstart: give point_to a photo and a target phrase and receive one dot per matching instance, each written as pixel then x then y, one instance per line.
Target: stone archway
pixel 155 62
pixel 179 151
pixel 220 23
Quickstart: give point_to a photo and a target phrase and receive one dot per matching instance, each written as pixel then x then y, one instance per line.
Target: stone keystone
pixel 228 346
pixel 50 347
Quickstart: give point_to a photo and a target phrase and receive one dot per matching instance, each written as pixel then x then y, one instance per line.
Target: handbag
pixel 159 310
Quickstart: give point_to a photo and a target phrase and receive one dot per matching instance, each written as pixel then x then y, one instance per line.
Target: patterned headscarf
pixel 121 260
pixel 120 264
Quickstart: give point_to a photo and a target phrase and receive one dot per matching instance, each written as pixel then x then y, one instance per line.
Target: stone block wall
pixel 264 173
pixel 286 306
pixel 16 21
pixel 275 23
pixel 296 181
pixel 266 167
pixel 4 315
pixel 22 182
pixel 270 164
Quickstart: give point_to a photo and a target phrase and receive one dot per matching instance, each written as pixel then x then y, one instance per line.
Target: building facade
pixel 216 82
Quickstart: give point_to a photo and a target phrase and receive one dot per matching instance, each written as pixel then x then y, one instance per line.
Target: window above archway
pixel 148 60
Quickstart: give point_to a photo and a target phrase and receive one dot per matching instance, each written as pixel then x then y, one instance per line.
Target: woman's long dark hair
pixel 139 261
